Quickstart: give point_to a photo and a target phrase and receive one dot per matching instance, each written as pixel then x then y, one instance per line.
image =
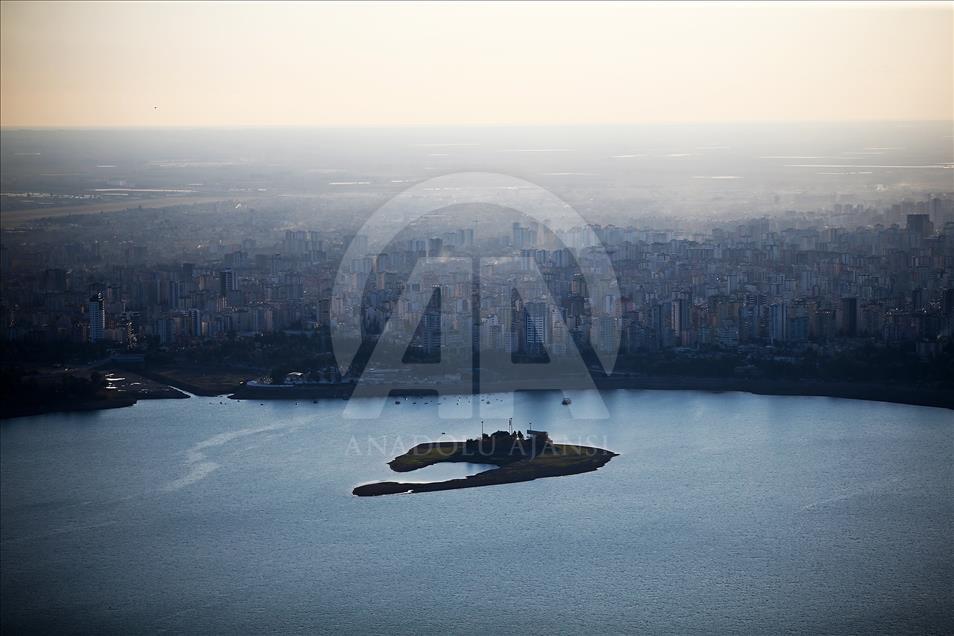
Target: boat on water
pixel 566 401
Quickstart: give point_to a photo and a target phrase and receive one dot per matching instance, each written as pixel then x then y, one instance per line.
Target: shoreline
pixel 126 391
pixel 894 394
pixel 169 377
pixel 868 391
pixel 78 407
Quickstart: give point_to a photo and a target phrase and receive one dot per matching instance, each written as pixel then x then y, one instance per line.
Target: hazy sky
pixel 110 64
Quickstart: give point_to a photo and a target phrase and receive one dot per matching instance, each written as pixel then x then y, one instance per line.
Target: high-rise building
pixel 920 224
pixel 797 328
pixel 661 324
pixel 431 323
pixel 824 328
pixel 681 316
pixel 523 236
pixel 295 242
pixel 778 322
pixel 917 299
pixel 848 317
pixel 607 338
pixel 537 326
pixel 174 292
pixel 517 238
pixel 227 282
pixel 558 333
pixel 96 308
pixel 195 323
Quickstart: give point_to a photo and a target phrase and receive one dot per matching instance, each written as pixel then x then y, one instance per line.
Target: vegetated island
pixel 519 457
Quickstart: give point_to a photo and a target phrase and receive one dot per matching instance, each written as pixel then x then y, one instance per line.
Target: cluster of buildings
pixel 762 282
pixel 756 283
pixel 752 284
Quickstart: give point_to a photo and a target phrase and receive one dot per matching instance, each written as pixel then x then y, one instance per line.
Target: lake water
pixel 723 513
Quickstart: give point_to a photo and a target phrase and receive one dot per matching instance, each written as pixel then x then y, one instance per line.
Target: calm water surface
pixel 723 512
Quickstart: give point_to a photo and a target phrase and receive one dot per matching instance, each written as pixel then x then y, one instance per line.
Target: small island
pixel 519 457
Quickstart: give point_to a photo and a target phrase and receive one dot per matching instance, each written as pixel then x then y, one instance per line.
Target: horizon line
pixel 775 122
